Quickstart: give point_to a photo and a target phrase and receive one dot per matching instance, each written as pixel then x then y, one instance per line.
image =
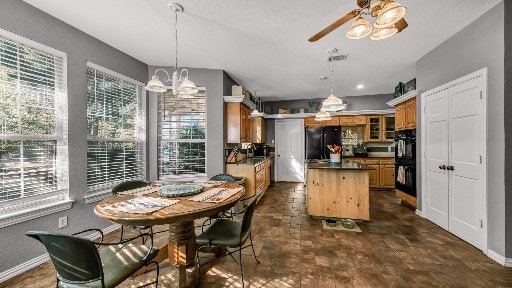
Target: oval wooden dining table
pixel 181 246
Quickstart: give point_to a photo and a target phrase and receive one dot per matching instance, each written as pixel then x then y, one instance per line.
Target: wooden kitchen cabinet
pixel 383 175
pixel 311 122
pixel 238 123
pixel 259 130
pixel 406 115
pixel 410 114
pixel 399 117
pixel 387 176
pixel 257 176
pixel 352 120
pixel 380 128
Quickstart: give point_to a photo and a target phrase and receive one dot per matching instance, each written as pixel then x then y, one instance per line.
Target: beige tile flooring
pixel 396 248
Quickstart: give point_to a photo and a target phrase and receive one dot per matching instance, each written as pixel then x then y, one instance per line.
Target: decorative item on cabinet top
pixel 403 98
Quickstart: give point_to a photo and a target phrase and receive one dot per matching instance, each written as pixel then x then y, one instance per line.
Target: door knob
pixel 443 167
pixel 451 168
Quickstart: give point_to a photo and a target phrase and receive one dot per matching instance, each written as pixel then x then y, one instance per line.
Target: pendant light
pixel 389 14
pixel 333 103
pixel 359 29
pixel 322 115
pixel 182 86
pixel 255 112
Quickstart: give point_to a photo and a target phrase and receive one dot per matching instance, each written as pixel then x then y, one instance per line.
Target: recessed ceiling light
pixel 360 86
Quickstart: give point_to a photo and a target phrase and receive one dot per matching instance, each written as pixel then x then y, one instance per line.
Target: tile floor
pixel 396 248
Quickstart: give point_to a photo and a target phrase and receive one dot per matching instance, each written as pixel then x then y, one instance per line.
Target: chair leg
pixel 198 267
pixel 252 246
pixel 241 269
pixel 122 231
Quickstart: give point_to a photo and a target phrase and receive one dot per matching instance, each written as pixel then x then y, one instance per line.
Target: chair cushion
pixel 119 263
pixel 222 232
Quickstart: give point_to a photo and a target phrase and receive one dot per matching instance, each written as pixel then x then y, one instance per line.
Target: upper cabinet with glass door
pixel 380 128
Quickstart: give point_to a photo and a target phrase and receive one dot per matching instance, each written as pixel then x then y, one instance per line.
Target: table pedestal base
pixel 182 250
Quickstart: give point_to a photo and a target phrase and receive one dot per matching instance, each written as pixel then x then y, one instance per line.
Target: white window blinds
pixel 116 129
pixel 33 124
pixel 182 135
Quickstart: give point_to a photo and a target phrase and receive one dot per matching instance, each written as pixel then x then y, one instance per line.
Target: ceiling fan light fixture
pixel 389 14
pixel 383 33
pixel 359 29
pixel 155 85
pixel 322 116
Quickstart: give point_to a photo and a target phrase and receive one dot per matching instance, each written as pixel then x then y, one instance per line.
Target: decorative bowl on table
pixel 180 190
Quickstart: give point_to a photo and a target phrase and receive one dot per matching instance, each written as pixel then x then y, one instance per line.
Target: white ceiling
pixel 263 44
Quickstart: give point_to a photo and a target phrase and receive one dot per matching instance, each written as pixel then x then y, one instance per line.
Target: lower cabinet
pixel 383 175
pixel 257 176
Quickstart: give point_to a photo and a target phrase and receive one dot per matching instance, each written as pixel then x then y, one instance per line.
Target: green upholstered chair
pixel 228 233
pixel 240 204
pixel 79 263
pixel 129 185
pixel 228 178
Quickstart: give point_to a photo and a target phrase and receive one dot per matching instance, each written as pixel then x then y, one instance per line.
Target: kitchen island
pixel 338 190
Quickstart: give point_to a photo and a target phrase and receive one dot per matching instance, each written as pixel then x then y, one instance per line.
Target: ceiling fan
pixel 389 20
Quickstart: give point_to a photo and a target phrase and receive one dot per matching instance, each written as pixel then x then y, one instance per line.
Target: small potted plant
pixel 335 153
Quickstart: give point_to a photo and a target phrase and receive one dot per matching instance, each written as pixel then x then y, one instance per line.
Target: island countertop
pixel 343 165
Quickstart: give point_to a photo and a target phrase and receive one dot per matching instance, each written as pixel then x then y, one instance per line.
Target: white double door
pixel 454 151
pixel 290 150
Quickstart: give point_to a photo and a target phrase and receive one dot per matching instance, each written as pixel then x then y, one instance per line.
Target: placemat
pixel 141 205
pixel 216 195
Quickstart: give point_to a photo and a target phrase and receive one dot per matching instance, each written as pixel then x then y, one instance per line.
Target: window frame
pixel 101 191
pixel 181 177
pixel 31 207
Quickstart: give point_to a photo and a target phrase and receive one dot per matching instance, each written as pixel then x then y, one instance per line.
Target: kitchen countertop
pixel 349 157
pixel 343 165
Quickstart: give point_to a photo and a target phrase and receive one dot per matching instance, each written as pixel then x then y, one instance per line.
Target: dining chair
pixel 129 185
pixel 79 262
pixel 228 233
pixel 240 204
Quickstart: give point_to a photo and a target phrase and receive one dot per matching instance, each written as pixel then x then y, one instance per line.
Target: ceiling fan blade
pixel 335 25
pixel 401 25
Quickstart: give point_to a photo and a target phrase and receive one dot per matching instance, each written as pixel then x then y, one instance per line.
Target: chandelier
pixel 182 86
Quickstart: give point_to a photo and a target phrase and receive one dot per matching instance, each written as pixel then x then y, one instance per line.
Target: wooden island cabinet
pixel 338 191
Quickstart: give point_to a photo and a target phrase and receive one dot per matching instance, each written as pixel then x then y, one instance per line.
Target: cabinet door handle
pixel 443 167
pixel 451 168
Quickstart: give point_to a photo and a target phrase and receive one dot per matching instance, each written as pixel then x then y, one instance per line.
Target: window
pixel 116 129
pixel 33 130
pixel 182 136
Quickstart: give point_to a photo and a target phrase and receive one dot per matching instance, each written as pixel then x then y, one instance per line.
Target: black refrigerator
pixel 317 139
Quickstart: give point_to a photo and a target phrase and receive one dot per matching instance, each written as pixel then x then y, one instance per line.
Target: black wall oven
pixel 405 161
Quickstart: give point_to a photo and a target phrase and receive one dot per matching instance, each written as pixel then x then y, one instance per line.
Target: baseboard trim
pixel 24 267
pixel 507 262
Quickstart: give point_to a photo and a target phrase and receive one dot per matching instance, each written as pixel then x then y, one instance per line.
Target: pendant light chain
pixel 332 74
pixel 176 37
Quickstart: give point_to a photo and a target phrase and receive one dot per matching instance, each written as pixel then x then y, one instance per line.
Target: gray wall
pixel 508 129
pixel 18 17
pixel 480 44
pixel 213 80
pixel 355 103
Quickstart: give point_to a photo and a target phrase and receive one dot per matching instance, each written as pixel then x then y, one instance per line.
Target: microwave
pixel 261 150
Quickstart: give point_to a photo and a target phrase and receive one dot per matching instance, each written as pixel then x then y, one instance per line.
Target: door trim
pixel 477 74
